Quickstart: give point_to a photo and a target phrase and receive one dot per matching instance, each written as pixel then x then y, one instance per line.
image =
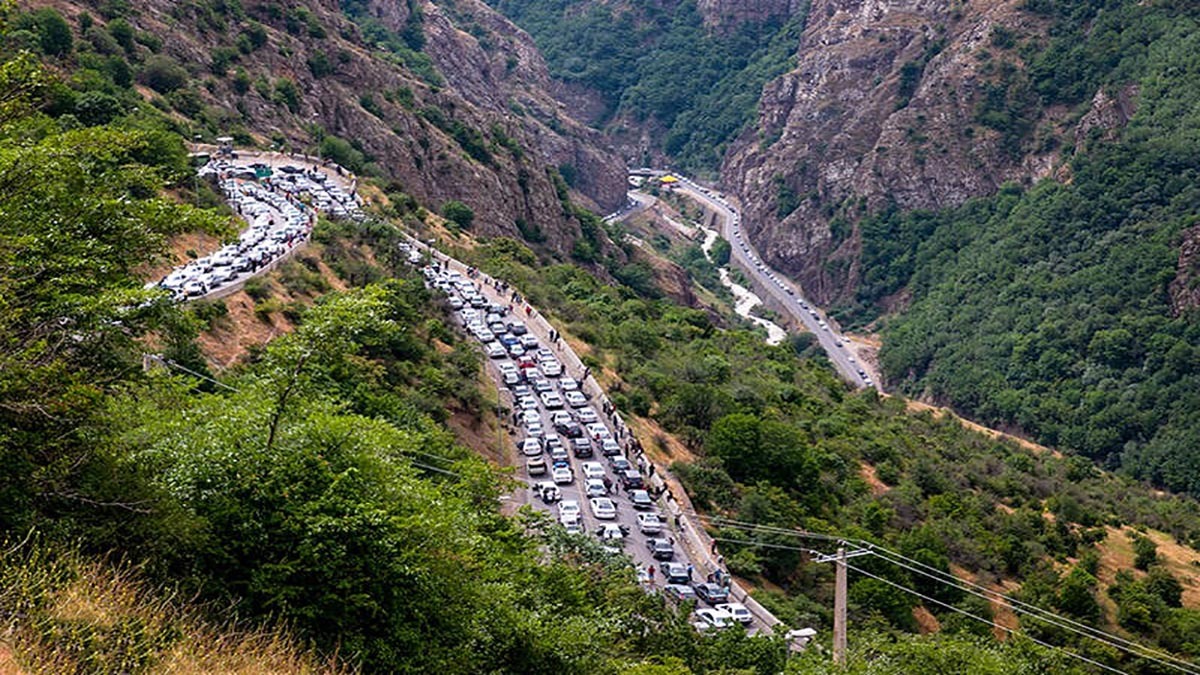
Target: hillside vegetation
pixel 783 443
pixel 1056 309
pixel 659 64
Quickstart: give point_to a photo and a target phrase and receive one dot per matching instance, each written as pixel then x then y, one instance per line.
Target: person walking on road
pixel 651 573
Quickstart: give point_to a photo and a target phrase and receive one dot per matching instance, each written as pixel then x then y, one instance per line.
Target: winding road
pixel 787 294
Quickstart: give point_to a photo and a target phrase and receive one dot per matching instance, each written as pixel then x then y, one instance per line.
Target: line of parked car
pixel 562 439
pixel 277 220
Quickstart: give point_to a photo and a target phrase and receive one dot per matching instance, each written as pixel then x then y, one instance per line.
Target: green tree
pixel 458 213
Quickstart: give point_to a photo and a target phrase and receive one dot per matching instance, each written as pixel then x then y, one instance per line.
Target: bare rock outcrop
pixel 886 106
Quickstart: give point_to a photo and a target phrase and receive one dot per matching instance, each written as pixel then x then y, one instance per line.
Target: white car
pixel 649 523
pixel 568 384
pixel 495 350
pixel 594 487
pixel 598 430
pixel 593 470
pixel 536 466
pixel 736 611
pixel 551 400
pixel 573 524
pixel 551 368
pixel 712 619
pixel 535 429
pixel 530 416
pixel 531 447
pixel 562 476
pixel 568 507
pixel 576 399
pixel 603 508
pixel 586 416
pixel 527 403
pixel 561 417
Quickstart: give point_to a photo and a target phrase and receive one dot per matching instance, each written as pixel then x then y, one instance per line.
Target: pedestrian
pixel 690 569
pixel 721 560
pixel 678 521
pixel 651 571
pixel 709 578
pixel 714 547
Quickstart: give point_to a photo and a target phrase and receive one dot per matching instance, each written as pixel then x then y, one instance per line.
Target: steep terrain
pixel 915 104
pixel 450 103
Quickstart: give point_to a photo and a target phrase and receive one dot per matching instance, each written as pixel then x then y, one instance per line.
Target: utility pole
pixel 839 597
pixel 839 609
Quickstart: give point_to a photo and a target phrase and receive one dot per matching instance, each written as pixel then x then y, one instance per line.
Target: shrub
pixel 458 213
pixel 163 74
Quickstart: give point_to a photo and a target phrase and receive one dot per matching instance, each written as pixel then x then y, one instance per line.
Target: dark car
pixel 619 463
pixel 713 594
pixel 517 328
pixel 582 447
pixel 676 573
pixel 660 549
pixel 571 430
pixel 631 480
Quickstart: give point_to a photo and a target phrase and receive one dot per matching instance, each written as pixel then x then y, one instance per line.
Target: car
pixel 660 548
pixel 568 507
pixel 562 475
pixel 575 399
pixel 679 592
pixel 736 611
pixel 676 573
pixel 593 470
pixel 649 523
pixel 620 463
pixel 641 500
pixel 553 442
pixel 612 532
pixel 558 455
pixel 594 487
pixel 531 447
pixel 603 508
pixel 568 384
pixel 527 403
pixel 516 350
pixel 529 342
pixel 551 368
pixel 511 379
pixel 530 417
pixel 551 400
pixel 573 524
pixel 597 431
pixel 609 447
pixel 582 447
pixel 542 355
pixel 535 429
pixel 711 619
pixel 536 466
pixel 712 593
pixel 194 288
pixel 548 492
pixel 631 480
pixel 586 416
pixel 517 328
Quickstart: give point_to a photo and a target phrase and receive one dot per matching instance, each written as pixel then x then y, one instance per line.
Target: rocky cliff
pixel 727 14
pixel 482 129
pixel 917 103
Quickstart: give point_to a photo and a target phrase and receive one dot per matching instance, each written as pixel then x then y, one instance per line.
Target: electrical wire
pixel 1034 612
pixel 1011 631
pixel 172 364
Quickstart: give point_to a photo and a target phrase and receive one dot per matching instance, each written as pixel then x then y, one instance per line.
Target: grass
pixel 65 613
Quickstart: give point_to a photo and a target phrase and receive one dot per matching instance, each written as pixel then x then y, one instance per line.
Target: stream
pixel 744 299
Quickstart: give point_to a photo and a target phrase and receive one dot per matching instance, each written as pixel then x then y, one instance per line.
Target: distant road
pixel 786 293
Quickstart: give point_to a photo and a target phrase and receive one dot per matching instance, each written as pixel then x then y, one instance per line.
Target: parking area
pixel 279 206
pixel 578 463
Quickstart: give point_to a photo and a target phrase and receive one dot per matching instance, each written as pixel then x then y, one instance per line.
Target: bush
pixel 458 213
pixel 257 288
pixel 163 74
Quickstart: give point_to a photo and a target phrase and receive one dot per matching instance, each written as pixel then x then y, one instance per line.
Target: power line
pixel 1057 620
pixel 172 364
pixel 1011 631
pixel 1065 623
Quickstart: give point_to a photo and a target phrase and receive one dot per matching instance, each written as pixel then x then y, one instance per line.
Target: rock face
pixel 726 14
pixel 884 107
pixel 489 135
pixel 1184 289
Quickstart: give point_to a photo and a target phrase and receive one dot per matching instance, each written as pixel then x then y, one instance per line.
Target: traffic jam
pixel 574 456
pixel 279 205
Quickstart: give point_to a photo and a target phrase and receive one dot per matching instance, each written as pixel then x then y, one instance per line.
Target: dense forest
pixel 659 63
pixel 1055 309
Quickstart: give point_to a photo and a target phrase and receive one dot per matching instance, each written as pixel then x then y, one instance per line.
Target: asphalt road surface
pixel 786 293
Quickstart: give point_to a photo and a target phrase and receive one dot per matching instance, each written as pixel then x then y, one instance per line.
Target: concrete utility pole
pixel 839 609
